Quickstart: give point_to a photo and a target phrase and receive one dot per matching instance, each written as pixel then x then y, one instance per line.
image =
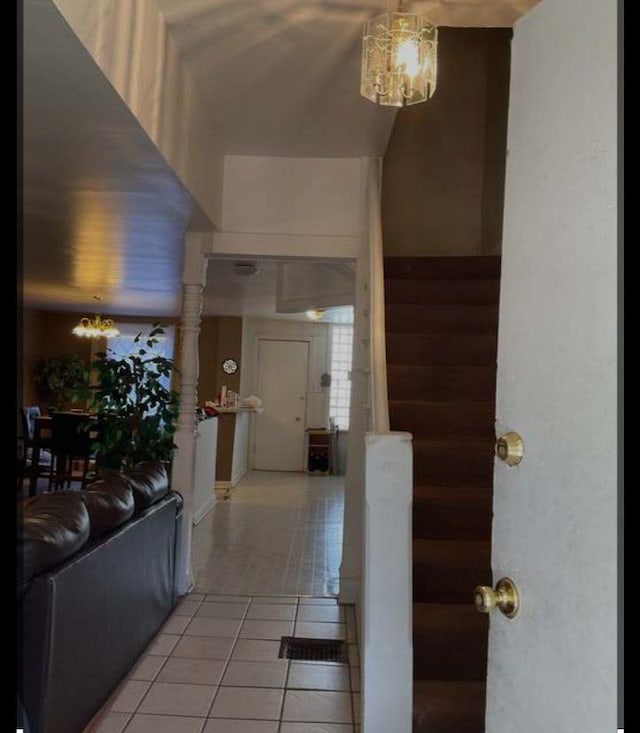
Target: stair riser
pixel 438 522
pixel 420 319
pixel 442 292
pixel 441 584
pixel 445 384
pixel 451 469
pixel 442 421
pixel 454 656
pixel 443 268
pixel 442 350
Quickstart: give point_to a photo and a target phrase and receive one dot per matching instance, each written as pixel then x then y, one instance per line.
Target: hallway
pixel 277 534
pixel 264 561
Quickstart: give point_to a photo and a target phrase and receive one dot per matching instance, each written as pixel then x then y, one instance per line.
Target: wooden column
pixel 193 280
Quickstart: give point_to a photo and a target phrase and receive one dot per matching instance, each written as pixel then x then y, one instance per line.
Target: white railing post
pixel 387 665
pixel 378 347
pixel 184 461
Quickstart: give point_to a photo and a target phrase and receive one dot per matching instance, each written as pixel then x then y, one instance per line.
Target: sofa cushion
pixel 52 528
pixel 149 482
pixel 109 502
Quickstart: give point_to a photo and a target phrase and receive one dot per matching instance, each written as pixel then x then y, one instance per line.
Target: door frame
pixel 311 354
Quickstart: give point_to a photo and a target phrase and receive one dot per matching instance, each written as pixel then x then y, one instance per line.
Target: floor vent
pixel 313 650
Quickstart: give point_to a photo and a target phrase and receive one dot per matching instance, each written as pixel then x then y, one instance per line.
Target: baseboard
pixel 204 509
pixel 235 480
pixel 349 590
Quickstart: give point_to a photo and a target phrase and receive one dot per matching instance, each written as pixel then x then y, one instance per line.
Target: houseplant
pixel 136 412
pixel 58 378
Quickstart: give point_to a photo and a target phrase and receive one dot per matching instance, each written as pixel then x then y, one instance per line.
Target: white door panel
pixel 280 430
pixel 553 667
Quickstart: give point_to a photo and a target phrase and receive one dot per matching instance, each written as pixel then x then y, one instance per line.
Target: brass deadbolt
pixel 505 598
pixel 510 448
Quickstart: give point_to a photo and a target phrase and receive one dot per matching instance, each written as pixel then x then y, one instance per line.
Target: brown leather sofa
pixel 96 581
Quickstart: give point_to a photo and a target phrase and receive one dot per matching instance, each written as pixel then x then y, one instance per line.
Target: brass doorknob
pixel 510 448
pixel 505 597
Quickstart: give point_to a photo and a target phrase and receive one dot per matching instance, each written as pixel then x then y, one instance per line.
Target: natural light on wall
pixel 399 59
pixel 340 391
pixel 123 345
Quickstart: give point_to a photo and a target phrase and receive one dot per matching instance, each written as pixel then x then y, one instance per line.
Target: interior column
pixel 194 276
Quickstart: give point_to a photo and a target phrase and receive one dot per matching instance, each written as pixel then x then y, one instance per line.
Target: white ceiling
pixel 103 212
pixel 282 77
pixel 230 294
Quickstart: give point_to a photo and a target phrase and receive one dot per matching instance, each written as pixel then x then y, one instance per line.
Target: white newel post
pixel 387 648
pixel 193 280
pixel 360 416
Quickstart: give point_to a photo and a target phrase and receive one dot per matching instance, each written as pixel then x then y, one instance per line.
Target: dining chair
pixel 34 449
pixel 71 440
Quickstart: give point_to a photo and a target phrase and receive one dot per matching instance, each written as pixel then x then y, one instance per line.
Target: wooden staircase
pixel 442 324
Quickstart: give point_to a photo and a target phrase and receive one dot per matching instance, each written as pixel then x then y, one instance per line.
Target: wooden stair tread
pixel 450 384
pixel 446 319
pixel 447 617
pixel 449 641
pixel 442 349
pixel 447 268
pixel 442 292
pixel 452 553
pixel 455 494
pixel 448 706
pixel 442 419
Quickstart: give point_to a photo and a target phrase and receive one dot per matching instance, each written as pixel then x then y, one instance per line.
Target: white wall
pixel 130 43
pixel 240 458
pixel 204 479
pixel 319 361
pixel 291 195
pixel 553 668
pixel 306 286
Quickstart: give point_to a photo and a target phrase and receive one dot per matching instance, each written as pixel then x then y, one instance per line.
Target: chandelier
pixel 399 59
pixel 315 315
pixel 96 327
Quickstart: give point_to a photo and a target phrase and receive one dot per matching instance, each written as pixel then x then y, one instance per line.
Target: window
pixel 340 391
pixel 119 347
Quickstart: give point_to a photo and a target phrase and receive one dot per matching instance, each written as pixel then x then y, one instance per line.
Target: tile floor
pixel 214 668
pixel 266 565
pixel 278 533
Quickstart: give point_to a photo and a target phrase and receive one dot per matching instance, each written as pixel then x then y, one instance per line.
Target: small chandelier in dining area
pixel 399 59
pixel 96 327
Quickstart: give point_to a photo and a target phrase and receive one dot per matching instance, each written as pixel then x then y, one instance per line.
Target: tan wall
pixel 49 333
pixel 443 179
pixel 46 334
pixel 220 339
pixel 30 339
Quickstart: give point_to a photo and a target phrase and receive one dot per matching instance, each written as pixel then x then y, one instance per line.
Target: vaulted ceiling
pixel 104 213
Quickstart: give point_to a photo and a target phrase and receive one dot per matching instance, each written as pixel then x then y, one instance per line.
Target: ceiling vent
pixel 245 269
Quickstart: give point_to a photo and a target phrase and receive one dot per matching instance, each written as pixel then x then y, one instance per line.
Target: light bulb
pixel 407 58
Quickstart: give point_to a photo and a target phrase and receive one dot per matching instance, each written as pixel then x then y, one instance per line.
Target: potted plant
pixel 135 409
pixel 58 378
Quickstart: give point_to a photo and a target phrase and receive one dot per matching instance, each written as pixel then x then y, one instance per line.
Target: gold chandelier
pixel 96 327
pixel 399 59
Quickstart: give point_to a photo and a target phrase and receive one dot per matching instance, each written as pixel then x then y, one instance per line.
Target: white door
pixel 282 385
pixel 554 666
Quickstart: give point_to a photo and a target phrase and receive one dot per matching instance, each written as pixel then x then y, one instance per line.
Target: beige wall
pixel 220 339
pixel 46 334
pixel 443 180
